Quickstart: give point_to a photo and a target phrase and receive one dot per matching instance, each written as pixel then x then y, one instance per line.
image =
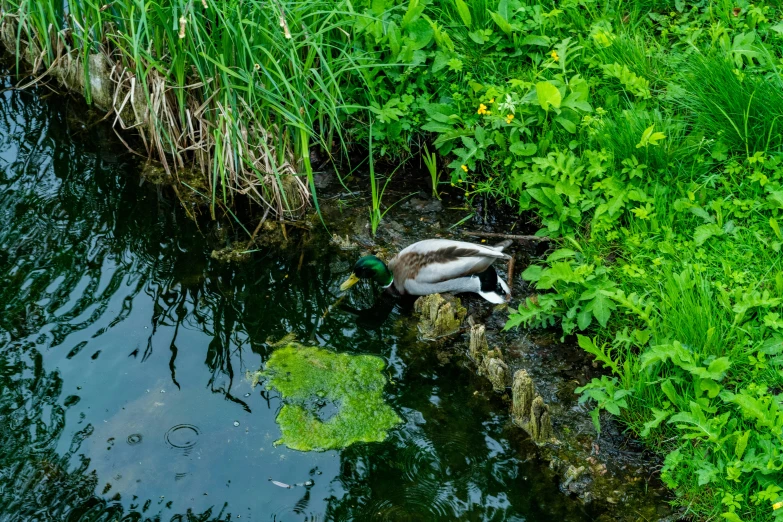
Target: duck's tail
pixel 503 244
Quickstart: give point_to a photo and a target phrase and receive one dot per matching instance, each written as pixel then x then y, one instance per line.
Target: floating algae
pixel 331 400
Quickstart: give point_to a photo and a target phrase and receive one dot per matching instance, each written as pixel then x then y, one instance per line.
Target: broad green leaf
pixel 567 124
pixel 774 224
pixel 415 8
pixel 718 368
pixel 560 253
pixel 659 417
pixel 478 37
pixel 548 198
pixel 548 95
pixel 602 307
pixel 469 142
pixel 532 273
pixel 501 22
pixel 394 38
pixel 576 100
pixel 642 336
pixel 704 232
pixel 711 387
pixel 743 46
pixel 584 318
pixel 434 126
pixel 541 41
pixel 481 135
pixel 586 343
pixel 668 389
pixel 523 149
pixel 775 198
pixel 742 443
pixel 706 473
pixel 378 7
pixel 696 424
pixel 589 346
pixel 650 138
pixel 557 272
pixel 419 34
pixel 731 516
pixel 464 12
pixel 595 414
pixel 763 410
pixel 675 352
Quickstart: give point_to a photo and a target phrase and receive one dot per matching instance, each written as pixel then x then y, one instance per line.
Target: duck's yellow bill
pixel 348 283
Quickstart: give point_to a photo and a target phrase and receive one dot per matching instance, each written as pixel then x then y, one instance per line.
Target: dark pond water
pixel 124 348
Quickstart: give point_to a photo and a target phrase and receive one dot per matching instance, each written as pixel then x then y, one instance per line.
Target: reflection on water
pixel 122 389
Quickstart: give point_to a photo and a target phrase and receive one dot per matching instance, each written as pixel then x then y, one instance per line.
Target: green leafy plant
pixel 431 161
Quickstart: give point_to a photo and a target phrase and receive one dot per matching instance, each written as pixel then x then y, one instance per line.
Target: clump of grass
pixel 621 134
pixel 240 90
pixel 744 111
pixel 431 162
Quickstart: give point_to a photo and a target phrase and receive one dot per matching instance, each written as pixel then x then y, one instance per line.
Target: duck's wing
pixel 437 260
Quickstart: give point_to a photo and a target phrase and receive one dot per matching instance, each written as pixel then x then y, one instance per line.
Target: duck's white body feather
pixel 442 265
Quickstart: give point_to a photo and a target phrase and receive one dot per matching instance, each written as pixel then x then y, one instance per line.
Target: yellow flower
pixel 492 100
pixel 482 109
pixel 554 56
pixel 509 118
pixel 777 505
pixel 465 168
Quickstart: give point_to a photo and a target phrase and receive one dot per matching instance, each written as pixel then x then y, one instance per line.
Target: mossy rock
pixel 236 253
pixel 330 400
pixel 439 315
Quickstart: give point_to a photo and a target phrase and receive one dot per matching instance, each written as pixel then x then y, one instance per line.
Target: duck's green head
pixel 369 267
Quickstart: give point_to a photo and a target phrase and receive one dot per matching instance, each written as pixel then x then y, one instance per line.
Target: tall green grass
pixel 241 90
pixel 743 111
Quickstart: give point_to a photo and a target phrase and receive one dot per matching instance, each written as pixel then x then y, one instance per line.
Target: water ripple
pixel 183 437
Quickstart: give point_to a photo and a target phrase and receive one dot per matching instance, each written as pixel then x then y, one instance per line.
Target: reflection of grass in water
pixel 309 378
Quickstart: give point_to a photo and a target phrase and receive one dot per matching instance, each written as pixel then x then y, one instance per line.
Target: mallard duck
pixel 437 265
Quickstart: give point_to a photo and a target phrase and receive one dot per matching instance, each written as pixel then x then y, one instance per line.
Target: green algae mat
pixel 330 400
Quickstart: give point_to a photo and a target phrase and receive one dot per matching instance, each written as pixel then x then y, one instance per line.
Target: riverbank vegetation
pixel 645 137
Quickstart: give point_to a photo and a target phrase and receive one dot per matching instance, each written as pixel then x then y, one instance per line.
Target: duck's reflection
pixel 374 317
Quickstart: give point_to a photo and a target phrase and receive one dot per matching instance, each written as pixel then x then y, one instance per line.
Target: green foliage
pixel 665 205
pixel 312 379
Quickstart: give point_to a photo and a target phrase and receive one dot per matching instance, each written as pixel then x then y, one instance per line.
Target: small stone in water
pixel 162 391
pixel 247 394
pixel 236 423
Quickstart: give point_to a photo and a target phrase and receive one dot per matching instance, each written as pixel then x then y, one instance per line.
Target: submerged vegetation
pixel 331 400
pixel 645 137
